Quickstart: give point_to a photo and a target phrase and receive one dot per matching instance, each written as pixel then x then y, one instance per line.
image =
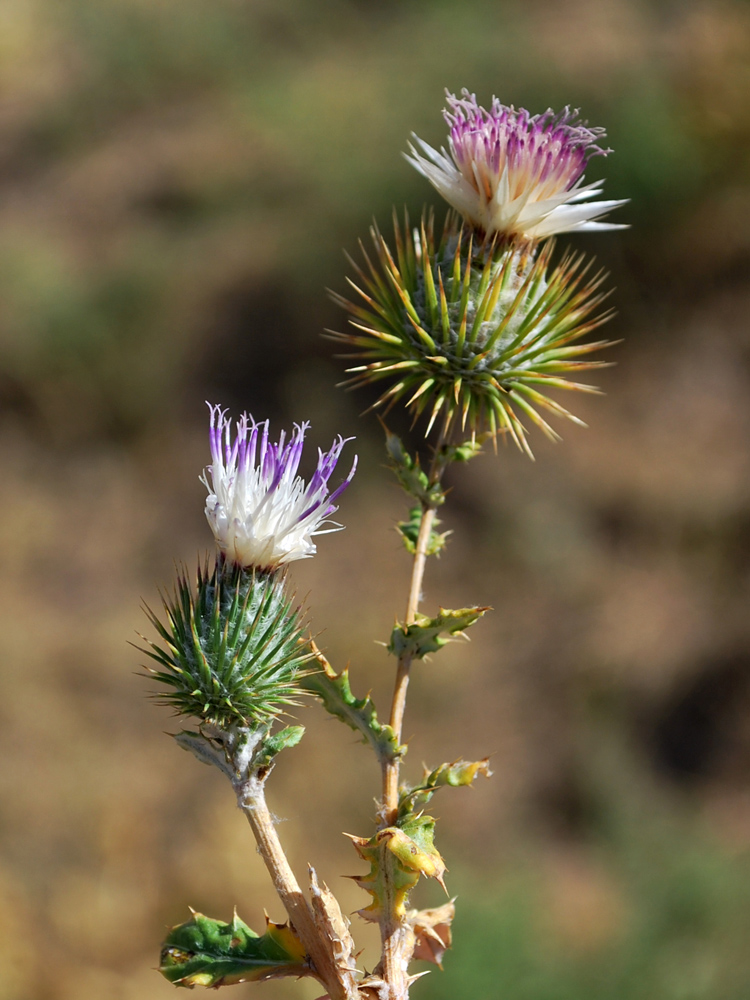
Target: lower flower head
pixel 231 647
pixel 261 512
pixel 515 174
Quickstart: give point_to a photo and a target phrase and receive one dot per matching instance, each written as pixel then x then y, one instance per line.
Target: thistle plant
pixel 471 326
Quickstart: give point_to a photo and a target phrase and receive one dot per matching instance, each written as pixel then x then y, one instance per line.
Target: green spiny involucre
pixel 232 647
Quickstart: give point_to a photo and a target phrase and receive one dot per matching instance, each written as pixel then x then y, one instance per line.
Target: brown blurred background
pixel 177 181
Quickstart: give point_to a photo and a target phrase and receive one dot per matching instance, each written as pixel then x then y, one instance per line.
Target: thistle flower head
pixel 261 512
pixel 515 174
pixel 232 646
pixel 471 335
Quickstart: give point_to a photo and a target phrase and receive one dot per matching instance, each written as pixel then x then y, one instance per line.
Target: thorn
pixel 413 979
pixel 360 841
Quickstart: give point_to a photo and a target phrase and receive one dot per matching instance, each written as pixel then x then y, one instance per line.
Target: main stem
pixel 398 704
pixel 391 768
pixel 252 801
pixel 397 939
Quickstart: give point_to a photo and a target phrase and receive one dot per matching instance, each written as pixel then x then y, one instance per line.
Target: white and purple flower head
pixel 516 174
pixel 261 512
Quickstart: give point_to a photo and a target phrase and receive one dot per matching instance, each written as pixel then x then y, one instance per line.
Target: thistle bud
pixel 232 649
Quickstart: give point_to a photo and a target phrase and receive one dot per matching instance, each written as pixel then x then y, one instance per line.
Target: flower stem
pixel 252 800
pixel 398 705
pixel 394 933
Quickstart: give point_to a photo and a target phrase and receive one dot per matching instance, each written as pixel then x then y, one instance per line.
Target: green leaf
pixel 359 714
pixel 459 773
pixel 409 474
pixel 285 738
pixel 465 451
pixel 398 856
pixel 388 882
pixel 224 748
pixel 428 635
pixel 206 952
pixel 409 531
pixel 412 844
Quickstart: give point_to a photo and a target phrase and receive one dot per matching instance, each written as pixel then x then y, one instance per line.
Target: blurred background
pixel 178 179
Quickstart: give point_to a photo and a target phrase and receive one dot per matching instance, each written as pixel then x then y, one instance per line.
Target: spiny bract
pixel 472 332
pixel 233 647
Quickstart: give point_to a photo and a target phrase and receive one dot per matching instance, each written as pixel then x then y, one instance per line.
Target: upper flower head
pixel 260 511
pixel 475 335
pixel 516 174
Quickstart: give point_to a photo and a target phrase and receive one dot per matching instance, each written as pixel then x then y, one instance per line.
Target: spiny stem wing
pixel 409 531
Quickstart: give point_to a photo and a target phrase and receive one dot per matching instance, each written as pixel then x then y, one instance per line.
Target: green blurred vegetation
pixel 177 181
pixel 650 905
pixel 684 933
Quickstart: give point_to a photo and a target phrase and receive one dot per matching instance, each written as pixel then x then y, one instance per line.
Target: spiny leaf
pixel 409 474
pixel 428 635
pixel 412 844
pixel 398 856
pixel 282 740
pixel 459 773
pixel 388 882
pixel 207 952
pixel 409 531
pixel 359 714
pixel 432 932
pixel 465 451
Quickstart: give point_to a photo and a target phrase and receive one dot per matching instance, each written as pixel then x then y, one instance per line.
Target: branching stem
pixel 398 704
pixel 252 800
pixel 393 931
pixel 391 768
